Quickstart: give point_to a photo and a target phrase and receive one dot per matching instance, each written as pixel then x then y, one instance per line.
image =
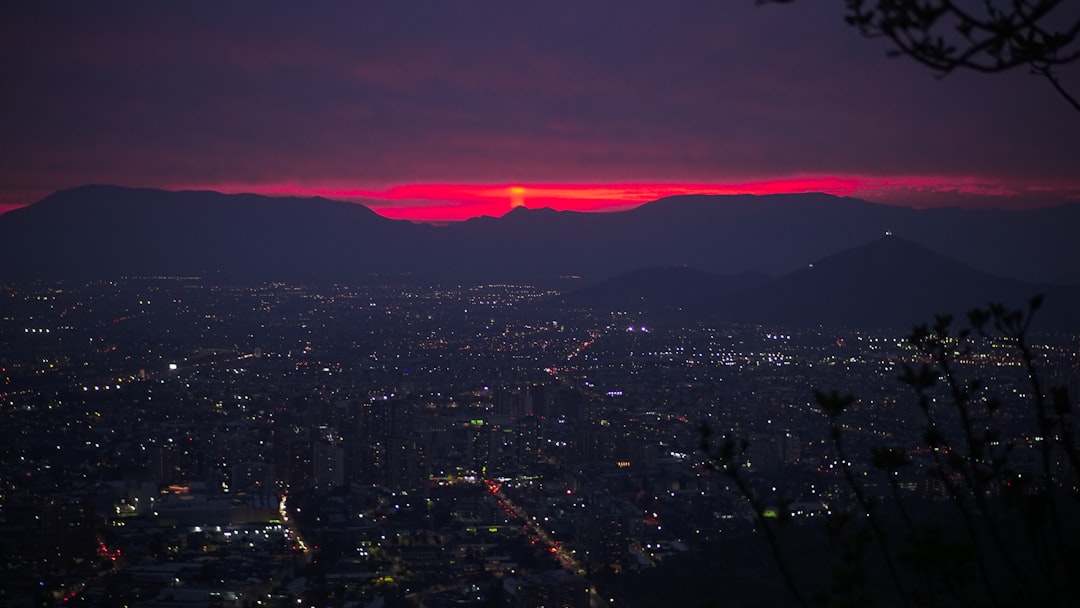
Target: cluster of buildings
pixel 177 443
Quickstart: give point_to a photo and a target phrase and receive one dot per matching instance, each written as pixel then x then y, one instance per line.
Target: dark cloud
pixel 377 94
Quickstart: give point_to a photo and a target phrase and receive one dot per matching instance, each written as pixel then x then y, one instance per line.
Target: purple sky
pixel 413 107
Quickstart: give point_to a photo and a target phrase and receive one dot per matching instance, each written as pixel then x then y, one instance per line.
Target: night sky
pixel 446 110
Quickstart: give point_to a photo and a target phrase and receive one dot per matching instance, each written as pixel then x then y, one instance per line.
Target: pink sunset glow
pixel 455 202
pixel 587 107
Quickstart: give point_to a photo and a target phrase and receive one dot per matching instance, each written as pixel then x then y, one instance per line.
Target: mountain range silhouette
pixel 696 253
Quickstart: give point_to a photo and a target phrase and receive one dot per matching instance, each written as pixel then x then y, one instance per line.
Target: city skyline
pixel 447 112
pixel 287 317
pixel 285 445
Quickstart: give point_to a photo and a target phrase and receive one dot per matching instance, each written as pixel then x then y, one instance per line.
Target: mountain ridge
pixel 103 231
pixel 889 282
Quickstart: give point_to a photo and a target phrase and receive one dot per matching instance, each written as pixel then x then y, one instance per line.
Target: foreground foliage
pixel 989 37
pixel 1001 527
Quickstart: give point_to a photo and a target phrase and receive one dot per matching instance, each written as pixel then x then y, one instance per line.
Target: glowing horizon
pixel 456 202
pixel 472 111
pixel 441 203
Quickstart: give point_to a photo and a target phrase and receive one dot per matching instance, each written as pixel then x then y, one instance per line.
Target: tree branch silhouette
pixel 1016 542
pixel 988 37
